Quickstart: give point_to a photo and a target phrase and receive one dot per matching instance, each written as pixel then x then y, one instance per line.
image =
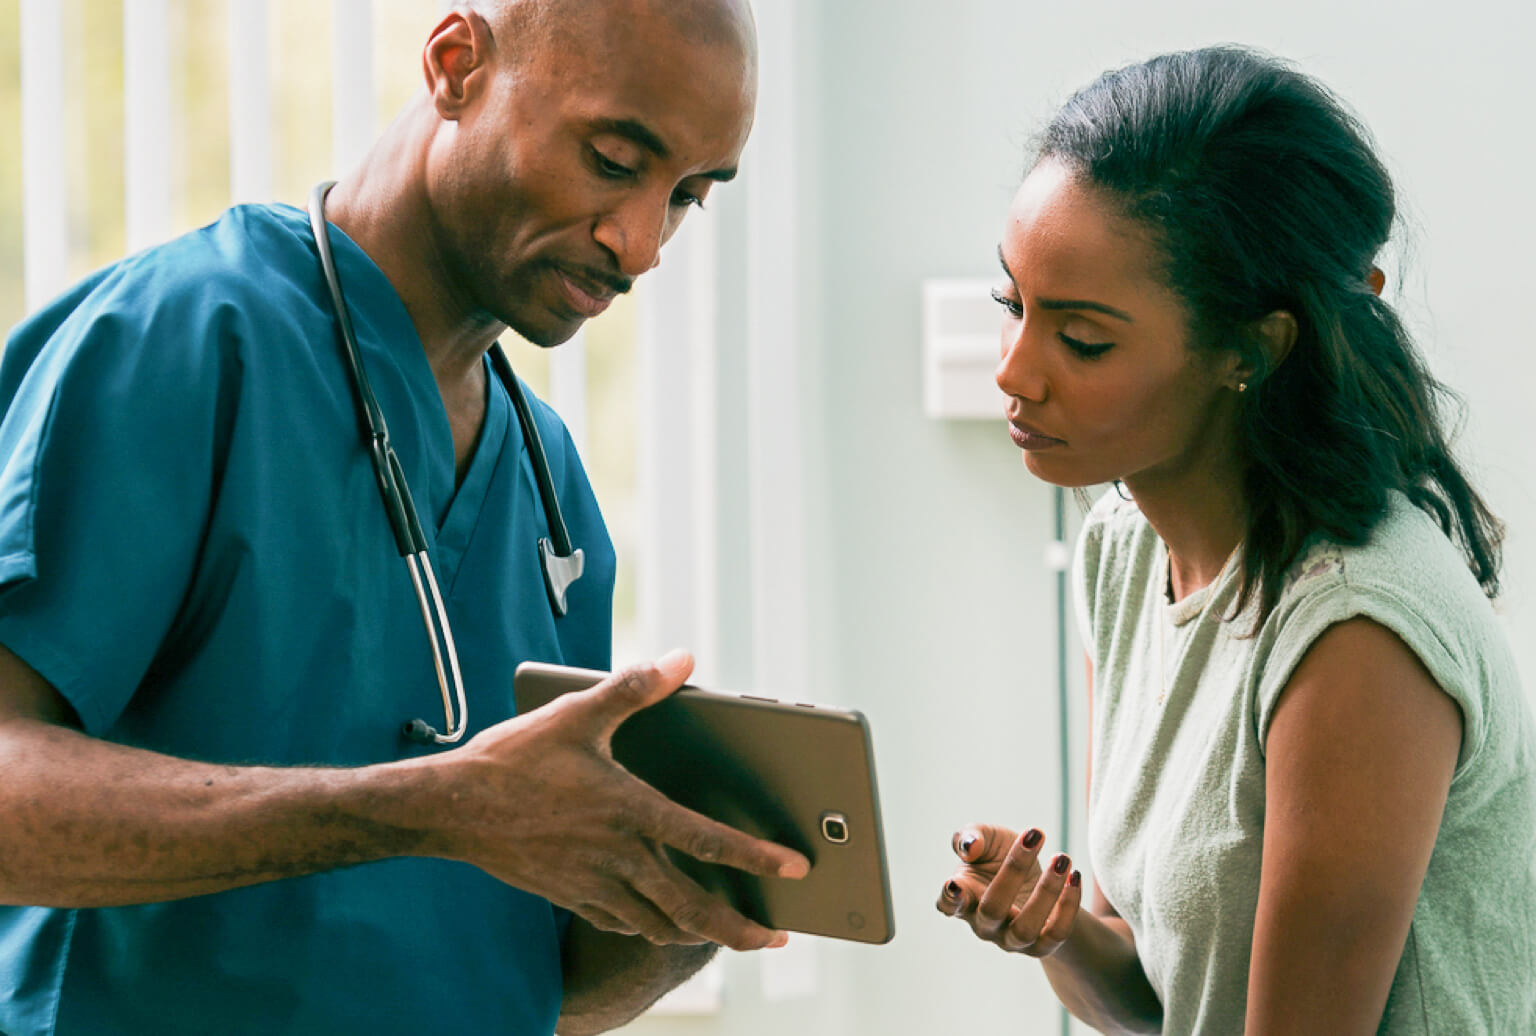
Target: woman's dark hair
pixel 1264 194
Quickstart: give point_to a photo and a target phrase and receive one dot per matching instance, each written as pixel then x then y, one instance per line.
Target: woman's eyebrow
pixel 1058 304
pixel 1003 262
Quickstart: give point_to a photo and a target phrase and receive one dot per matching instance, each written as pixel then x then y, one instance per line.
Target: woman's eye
pixel 1013 308
pixel 1087 350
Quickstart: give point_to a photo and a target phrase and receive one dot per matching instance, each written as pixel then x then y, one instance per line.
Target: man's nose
pixel 633 234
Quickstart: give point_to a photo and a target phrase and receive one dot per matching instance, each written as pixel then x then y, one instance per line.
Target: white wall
pixel 930 608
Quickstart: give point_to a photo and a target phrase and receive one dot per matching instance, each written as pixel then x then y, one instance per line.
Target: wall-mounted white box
pixel 961 332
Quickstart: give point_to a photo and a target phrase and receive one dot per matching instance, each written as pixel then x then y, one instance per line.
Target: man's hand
pixel 539 802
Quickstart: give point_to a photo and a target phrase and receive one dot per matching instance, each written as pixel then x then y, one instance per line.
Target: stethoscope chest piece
pixel 559 572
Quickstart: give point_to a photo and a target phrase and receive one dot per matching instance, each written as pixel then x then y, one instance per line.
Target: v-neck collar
pixel 463 513
pixel 396 363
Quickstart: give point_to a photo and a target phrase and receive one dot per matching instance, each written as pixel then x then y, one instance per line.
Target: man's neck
pixel 382 207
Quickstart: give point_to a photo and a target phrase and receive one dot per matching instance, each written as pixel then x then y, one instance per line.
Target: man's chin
pixel 548 332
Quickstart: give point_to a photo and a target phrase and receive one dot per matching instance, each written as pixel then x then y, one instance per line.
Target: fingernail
pixel 1032 838
pixel 779 941
pixel 797 869
pixel 1076 879
pixel 951 890
pixel 673 657
pixel 1061 864
pixel 966 843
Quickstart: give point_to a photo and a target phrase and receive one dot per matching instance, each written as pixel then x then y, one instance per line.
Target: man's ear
pixel 1273 335
pixel 454 61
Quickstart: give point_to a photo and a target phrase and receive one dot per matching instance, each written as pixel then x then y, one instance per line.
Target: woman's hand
pixel 1004 894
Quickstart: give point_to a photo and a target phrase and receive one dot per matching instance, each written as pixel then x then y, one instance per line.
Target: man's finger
pixel 708 840
pixel 618 909
pixel 603 921
pixel 697 914
pixel 631 689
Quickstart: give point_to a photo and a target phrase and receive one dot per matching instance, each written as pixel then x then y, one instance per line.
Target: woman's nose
pixel 1019 371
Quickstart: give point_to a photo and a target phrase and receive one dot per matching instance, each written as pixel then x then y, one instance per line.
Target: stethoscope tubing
pixel 561 561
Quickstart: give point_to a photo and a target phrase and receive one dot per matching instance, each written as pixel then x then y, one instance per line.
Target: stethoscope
pixel 562 562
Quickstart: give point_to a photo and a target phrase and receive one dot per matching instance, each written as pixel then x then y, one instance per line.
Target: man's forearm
pixel 610 979
pixel 89 823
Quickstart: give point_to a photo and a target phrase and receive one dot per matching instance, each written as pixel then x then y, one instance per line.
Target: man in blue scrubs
pixel 210 820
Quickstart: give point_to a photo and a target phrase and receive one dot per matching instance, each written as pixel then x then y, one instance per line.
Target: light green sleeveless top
pixel 1176 815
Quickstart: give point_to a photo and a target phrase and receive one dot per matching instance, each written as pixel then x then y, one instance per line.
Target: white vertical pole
pixel 703 545
pixel 780 635
pixel 250 103
pixel 568 387
pixel 352 98
pixel 44 183
pixel 146 122
pixel 675 352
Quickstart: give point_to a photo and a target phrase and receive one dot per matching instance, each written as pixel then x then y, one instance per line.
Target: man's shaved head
pixel 560 143
pixel 715 23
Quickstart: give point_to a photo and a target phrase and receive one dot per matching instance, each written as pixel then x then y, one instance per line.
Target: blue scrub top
pixel 193 551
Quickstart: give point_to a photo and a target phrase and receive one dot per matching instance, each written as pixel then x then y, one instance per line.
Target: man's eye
pixel 608 167
pixel 682 199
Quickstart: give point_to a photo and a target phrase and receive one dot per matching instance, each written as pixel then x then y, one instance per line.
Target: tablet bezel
pixel 775 769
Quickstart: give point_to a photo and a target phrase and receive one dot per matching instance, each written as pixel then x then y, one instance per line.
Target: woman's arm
pixel 1096 974
pixel 1360 755
pixel 1008 899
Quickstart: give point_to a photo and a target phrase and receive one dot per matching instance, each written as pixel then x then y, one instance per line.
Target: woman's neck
pixel 1201 519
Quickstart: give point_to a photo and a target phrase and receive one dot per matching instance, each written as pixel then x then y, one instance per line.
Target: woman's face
pixel 1096 361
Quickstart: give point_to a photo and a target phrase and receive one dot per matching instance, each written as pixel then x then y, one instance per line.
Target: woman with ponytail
pixel 1312 769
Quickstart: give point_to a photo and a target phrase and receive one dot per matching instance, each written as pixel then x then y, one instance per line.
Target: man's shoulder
pixel 250 273
pixel 253 256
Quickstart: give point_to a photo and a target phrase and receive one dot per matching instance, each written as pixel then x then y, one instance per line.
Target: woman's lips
pixel 1029 439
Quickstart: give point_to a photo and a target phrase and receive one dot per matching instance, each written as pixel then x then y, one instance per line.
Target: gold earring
pixel 1242 386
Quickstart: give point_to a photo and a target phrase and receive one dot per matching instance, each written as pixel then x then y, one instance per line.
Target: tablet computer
pixel 794 773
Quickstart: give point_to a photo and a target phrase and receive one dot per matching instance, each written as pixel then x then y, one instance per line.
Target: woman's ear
pixel 1276 334
pixel 1272 336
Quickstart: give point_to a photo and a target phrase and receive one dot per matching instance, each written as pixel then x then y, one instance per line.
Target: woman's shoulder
pixel 1407 558
pixel 1115 551
pixel 1409 577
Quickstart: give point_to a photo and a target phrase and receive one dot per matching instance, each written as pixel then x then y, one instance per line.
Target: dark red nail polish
pixel 951 890
pixel 1061 864
pixel 966 843
pixel 1076 879
pixel 1032 838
